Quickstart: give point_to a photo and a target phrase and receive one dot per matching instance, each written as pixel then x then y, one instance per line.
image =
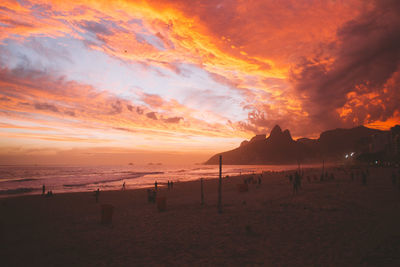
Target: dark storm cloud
pixel 152 115
pixel 261 119
pixel 45 106
pixel 70 113
pixel 116 107
pixel 367 55
pixel 173 120
pixel 139 110
pixel 15 23
pixel 95 27
pixel 124 129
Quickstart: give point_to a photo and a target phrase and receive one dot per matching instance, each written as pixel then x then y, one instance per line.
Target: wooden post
pixel 220 185
pixel 202 192
pixel 298 165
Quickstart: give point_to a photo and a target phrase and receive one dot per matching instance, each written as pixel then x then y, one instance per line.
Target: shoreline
pixel 334 222
pixel 162 185
pixel 37 190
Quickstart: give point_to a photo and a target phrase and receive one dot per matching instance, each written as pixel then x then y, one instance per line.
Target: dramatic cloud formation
pixel 155 75
pixel 354 80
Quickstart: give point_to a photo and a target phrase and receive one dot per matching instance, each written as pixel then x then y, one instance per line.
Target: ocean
pixel 20 180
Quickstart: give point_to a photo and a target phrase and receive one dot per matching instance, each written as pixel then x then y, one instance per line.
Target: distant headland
pixel 359 143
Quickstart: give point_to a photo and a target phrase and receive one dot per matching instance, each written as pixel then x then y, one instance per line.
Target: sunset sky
pixel 164 81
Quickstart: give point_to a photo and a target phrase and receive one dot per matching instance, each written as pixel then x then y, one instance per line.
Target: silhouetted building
pixel 387 144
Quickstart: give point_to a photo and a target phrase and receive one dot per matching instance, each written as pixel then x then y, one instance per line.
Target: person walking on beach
pixel 43 189
pixel 300 176
pixel 155 185
pixel 296 183
pixel 172 184
pixel 96 194
pixel 123 186
pixel 169 185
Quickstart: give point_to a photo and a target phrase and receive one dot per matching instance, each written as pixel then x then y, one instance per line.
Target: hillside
pixel 280 148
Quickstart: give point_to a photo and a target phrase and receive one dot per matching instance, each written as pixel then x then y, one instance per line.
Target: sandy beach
pixel 335 222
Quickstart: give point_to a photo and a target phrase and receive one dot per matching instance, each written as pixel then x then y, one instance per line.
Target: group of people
pixel 170 185
pixel 362 174
pixel 48 194
pixel 252 179
pixel 296 178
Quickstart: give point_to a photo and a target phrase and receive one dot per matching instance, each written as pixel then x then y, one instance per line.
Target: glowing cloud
pixel 154 74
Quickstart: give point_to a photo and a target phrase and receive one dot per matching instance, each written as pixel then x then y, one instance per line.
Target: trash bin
pixel 162 203
pixel 107 211
pixel 151 195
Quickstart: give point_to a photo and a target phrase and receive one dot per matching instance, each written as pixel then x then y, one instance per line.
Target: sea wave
pixel 17 191
pixel 178 171
pixel 203 168
pixel 137 175
pixel 145 173
pixel 18 180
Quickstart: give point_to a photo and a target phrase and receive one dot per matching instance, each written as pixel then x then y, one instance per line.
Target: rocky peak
pixel 245 142
pixel 258 137
pixel 286 134
pixel 276 131
pixel 277 135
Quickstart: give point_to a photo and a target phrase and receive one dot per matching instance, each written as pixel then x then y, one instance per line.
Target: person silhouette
pixel 43 189
pixel 96 194
pixel 155 185
pixel 123 186
pixel 296 183
pixel 299 177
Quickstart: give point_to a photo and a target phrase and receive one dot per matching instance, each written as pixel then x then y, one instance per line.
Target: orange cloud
pixel 63 108
pixel 283 57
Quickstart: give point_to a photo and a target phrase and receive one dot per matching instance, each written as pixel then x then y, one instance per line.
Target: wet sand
pixel 331 223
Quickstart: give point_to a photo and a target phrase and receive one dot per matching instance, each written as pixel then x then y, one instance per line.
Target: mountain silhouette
pixel 280 148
